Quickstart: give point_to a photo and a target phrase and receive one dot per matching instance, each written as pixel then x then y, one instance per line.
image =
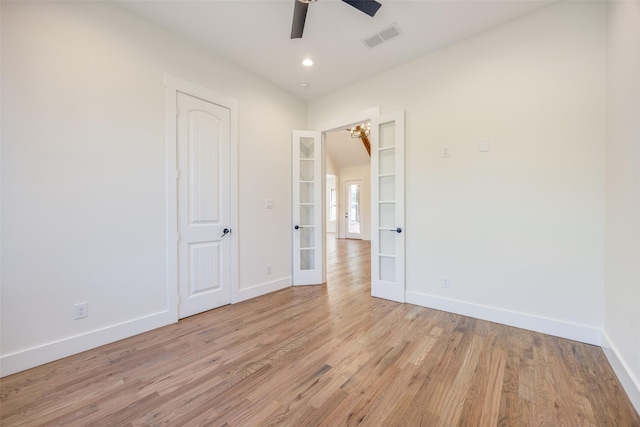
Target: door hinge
pixel 177 174
pixel 178 237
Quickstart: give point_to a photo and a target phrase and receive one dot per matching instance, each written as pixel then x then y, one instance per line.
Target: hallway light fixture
pixel 358 130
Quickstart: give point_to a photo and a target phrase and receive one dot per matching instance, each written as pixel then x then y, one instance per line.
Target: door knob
pixel 297 227
pixel 397 230
pixel 225 232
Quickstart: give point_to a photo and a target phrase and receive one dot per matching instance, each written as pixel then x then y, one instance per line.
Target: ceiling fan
pixel 370 7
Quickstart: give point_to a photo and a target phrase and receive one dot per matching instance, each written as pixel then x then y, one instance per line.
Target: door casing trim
pixel 174 85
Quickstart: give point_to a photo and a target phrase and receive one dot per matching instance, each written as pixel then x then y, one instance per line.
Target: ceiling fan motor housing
pixel 370 7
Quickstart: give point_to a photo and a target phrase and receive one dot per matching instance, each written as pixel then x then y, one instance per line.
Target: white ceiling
pixel 255 34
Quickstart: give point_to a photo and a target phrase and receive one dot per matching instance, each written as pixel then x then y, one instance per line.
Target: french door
pixel 307 205
pixel 387 207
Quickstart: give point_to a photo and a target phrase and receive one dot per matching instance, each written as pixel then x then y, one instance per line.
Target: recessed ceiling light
pixel 304 85
pixel 307 62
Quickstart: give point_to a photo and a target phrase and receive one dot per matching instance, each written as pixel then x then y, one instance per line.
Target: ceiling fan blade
pixel 299 17
pixel 370 7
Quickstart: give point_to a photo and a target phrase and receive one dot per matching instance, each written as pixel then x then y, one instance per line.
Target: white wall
pixel 622 254
pixel 519 230
pixel 331 171
pixel 330 164
pixel 83 174
pixel 349 174
pixel 331 185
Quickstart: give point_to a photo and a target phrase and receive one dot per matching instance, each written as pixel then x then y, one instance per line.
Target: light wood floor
pixel 325 355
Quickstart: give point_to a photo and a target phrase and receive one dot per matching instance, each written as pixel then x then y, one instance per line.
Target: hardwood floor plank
pixel 324 355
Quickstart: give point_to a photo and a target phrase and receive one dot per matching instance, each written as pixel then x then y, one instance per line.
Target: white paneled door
pixel 203 150
pixel 307 205
pixel 387 207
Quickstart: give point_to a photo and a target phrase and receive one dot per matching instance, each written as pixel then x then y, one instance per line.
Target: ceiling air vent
pixel 382 36
pixel 373 41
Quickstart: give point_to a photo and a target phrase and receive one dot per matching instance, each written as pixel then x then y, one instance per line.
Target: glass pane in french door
pixel 307 192
pixel 386 202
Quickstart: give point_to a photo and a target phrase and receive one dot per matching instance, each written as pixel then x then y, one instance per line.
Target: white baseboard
pixel 36 356
pixel 629 382
pixel 30 358
pixel 261 289
pixel 559 328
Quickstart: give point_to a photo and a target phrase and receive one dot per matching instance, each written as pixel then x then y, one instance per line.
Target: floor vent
pixel 382 36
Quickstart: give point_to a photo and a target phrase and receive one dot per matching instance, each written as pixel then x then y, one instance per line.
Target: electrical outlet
pixel 445 282
pixel 80 310
pixel 267 269
pixel 444 152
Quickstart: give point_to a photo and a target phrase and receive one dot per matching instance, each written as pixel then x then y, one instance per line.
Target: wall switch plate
pixel 444 152
pixel 80 310
pixel 268 204
pixel 267 269
pixel 483 146
pixel 445 282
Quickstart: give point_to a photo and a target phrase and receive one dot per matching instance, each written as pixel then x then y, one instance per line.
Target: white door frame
pixel 173 85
